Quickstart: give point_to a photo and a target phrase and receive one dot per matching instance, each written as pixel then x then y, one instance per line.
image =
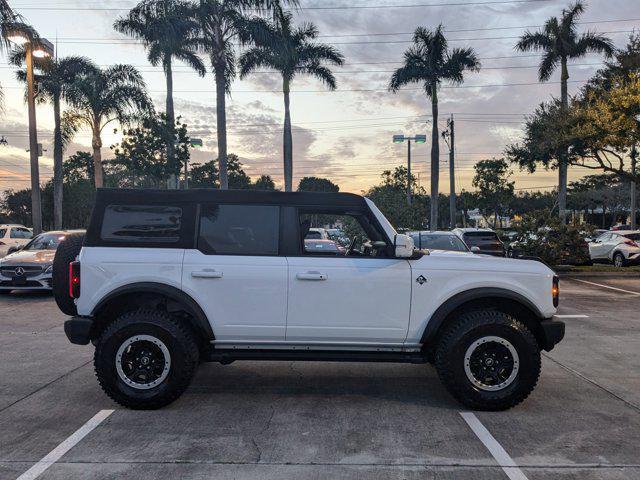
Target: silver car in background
pixel 621 247
pixel 30 268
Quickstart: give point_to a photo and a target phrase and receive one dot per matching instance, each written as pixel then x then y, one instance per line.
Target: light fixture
pixel 421 139
pixel 398 138
pixel 42 48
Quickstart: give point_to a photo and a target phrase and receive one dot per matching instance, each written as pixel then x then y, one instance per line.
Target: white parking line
pixel 502 457
pixel 571 316
pixel 54 455
pixel 606 286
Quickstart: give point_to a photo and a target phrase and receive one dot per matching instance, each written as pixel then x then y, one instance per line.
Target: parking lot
pixel 324 420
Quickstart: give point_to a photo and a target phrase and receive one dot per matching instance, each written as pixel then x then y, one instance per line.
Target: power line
pixel 336 7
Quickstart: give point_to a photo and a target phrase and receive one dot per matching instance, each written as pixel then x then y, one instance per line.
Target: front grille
pixel 29 270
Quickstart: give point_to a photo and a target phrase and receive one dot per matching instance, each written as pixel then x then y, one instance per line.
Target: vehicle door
pixel 360 296
pixel 599 247
pixel 235 273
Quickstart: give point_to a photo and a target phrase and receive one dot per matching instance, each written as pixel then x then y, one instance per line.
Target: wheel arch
pixel 500 299
pixel 154 295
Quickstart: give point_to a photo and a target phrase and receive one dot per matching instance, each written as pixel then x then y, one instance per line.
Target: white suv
pixel 620 248
pixel 13 236
pixel 166 279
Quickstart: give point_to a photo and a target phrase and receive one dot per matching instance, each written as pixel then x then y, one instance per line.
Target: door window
pixel 143 224
pixel 354 235
pixel 18 232
pixel 239 230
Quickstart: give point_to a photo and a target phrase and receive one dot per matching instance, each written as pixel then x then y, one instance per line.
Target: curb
pixel 599 274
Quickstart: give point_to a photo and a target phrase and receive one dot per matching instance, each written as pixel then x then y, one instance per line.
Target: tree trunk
pixel 563 163
pixel 172 182
pixel 435 159
pixel 287 145
pixel 96 143
pixel 57 166
pixel 221 118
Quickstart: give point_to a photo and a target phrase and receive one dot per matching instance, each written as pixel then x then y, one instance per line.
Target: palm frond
pixel 534 41
pixel 592 42
pixel 547 66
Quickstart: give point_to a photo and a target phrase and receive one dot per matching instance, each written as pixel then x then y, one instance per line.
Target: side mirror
pixel 475 249
pixel 404 246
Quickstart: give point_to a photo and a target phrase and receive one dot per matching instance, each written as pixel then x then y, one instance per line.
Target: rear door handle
pixel 206 274
pixel 313 276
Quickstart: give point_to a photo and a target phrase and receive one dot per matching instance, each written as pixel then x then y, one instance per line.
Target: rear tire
pixel 145 359
pixel 619 260
pixel 488 360
pixel 66 253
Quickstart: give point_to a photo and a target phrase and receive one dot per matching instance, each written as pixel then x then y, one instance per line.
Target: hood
pixel 466 261
pixel 36 257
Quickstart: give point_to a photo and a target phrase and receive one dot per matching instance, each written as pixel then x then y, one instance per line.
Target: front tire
pixel 145 359
pixel 488 360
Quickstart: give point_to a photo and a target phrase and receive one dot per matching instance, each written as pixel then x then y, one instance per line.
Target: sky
pixel 344 135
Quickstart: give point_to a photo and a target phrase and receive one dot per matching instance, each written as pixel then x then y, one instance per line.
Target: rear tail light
pixel 74 279
pixel 555 291
pixel 631 243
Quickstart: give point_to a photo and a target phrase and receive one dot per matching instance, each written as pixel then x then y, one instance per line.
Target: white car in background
pixel 317 234
pixel 13 236
pixel 620 248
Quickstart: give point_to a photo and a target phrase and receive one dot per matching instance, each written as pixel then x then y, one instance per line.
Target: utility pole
pixel 634 196
pixel 449 136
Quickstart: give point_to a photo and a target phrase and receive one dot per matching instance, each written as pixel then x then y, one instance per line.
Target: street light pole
pixel 416 139
pixel 36 205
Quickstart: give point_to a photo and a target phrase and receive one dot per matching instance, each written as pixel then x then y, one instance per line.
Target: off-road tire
pixel 471 326
pixel 66 253
pixel 621 261
pixel 179 342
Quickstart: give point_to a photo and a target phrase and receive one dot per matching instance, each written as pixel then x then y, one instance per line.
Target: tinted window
pixel 3 232
pixel 239 229
pixel 313 236
pixel 633 236
pixel 21 233
pixel 45 241
pixel 480 238
pixel 439 242
pixel 142 223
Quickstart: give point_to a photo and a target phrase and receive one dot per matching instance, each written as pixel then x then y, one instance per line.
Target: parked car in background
pixel 425 240
pixel 545 240
pixel 338 236
pixel 328 247
pixel 13 236
pixel 620 248
pixel 481 240
pixel 317 234
pixel 30 268
pixel 620 227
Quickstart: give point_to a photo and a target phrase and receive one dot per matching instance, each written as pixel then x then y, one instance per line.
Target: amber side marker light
pixel 555 291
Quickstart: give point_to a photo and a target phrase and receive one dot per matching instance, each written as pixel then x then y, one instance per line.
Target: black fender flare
pixel 452 303
pixel 173 293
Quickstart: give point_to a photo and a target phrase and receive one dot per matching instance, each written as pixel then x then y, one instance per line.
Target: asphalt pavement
pixel 285 420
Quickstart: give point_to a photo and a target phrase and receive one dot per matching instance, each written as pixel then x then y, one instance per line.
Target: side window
pixel 239 230
pixel 355 235
pixel 605 237
pixel 143 224
pixel 18 232
pixel 3 232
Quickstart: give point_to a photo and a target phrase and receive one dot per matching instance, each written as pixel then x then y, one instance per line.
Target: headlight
pixel 49 269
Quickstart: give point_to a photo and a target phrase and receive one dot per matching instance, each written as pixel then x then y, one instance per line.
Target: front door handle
pixel 313 276
pixel 206 274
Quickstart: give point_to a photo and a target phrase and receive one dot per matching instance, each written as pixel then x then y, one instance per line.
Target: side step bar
pixel 229 356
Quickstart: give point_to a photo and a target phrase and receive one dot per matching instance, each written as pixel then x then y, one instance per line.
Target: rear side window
pixel 479 238
pixel 157 224
pixel 21 233
pixel 3 232
pixel 239 230
pixel 633 236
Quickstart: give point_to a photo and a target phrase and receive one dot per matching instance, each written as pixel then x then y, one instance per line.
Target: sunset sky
pixel 343 135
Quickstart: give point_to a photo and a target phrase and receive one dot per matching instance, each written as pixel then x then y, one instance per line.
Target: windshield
pixel 45 241
pixel 432 241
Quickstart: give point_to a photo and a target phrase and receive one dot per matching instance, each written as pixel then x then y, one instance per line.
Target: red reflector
pixel 74 279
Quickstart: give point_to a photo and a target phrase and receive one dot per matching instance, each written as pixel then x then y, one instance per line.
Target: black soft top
pixel 106 196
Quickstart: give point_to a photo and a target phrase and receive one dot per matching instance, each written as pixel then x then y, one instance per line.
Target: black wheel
pixel 619 260
pixel 145 359
pixel 66 253
pixel 488 360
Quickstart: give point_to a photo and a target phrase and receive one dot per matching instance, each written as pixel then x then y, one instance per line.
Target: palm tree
pixel 55 78
pixel 168 30
pixel 221 23
pixel 99 97
pixel 559 42
pixel 428 61
pixel 290 51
